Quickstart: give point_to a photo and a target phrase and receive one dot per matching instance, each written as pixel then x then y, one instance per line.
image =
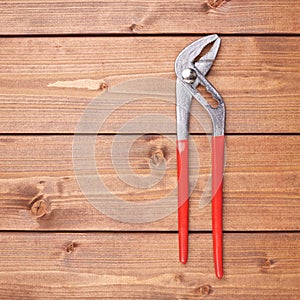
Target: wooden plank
pixel 146 266
pixel 148 17
pixel 39 191
pixel 46 83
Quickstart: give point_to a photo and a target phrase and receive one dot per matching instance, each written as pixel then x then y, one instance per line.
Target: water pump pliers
pixel 191 71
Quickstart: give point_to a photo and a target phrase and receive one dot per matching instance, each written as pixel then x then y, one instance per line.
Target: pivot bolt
pixel 189 75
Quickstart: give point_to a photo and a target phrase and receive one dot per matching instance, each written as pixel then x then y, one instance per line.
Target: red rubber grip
pixel 183 198
pixel 217 195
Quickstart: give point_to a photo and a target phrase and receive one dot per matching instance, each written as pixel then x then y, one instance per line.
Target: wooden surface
pixel 151 17
pixel 46 83
pixel 261 184
pixel 58 56
pixel 145 266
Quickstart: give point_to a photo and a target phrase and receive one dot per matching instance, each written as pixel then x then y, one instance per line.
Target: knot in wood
pixel 39 207
pixel 267 263
pixel 71 247
pixel 157 158
pixel 103 86
pixel 135 27
pixel 179 277
pixel 204 290
pixel 216 3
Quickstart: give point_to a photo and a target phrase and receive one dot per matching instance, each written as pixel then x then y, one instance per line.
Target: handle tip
pixel 183 259
pixel 183 247
pixel 219 274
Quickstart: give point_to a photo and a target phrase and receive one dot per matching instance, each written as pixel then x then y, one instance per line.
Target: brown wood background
pixel 55 57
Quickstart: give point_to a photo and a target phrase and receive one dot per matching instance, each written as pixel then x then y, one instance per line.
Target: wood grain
pixel 59 57
pixel 146 266
pixel 39 191
pixel 46 83
pixel 148 17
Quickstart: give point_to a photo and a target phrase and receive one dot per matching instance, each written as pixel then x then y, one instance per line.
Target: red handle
pixel 183 198
pixel 217 191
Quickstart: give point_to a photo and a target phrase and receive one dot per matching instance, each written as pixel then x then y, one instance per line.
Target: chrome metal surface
pixel 183 103
pixel 189 75
pixel 190 71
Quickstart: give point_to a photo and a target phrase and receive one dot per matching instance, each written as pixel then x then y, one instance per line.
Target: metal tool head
pixel 191 71
pixel 187 58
